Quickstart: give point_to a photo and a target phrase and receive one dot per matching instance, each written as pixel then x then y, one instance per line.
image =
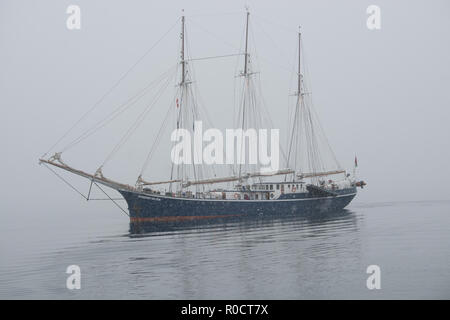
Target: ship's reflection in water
pixel 284 256
pixel 243 222
pixel 320 255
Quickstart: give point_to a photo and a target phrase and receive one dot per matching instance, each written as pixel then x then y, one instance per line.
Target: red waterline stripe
pixel 179 218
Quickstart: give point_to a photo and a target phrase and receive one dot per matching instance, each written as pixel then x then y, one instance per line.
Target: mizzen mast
pixel 296 120
pixel 245 74
pixel 305 154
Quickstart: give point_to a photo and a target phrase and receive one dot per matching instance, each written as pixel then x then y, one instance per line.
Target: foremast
pixel 186 116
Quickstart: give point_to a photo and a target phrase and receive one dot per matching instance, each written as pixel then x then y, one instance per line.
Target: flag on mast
pixel 356 162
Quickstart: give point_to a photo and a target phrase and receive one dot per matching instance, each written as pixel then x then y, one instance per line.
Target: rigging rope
pixel 158 136
pixel 96 104
pixel 198 112
pixel 212 34
pixel 216 57
pixel 81 194
pixel 112 200
pixel 65 181
pixel 116 112
pixel 214 14
pixel 137 122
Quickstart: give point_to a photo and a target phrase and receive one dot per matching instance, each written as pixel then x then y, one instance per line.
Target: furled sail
pixel 234 178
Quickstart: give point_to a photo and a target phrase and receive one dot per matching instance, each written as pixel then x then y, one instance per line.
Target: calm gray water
pixel 292 258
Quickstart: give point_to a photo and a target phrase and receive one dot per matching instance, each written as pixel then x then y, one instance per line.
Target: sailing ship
pixel 307 183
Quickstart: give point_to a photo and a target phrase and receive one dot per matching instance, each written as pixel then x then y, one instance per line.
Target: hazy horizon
pixel 380 94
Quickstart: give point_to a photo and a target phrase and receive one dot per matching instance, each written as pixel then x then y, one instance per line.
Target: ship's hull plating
pixel 153 208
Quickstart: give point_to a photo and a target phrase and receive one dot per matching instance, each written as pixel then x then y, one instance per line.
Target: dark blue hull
pixel 154 208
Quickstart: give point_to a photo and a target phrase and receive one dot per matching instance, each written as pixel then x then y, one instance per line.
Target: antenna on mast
pixel 299 63
pixel 183 62
pixel 246 44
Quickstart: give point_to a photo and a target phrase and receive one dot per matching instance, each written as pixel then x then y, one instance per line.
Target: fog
pixel 381 94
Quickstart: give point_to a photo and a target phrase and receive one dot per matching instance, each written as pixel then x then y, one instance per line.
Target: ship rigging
pixel 303 184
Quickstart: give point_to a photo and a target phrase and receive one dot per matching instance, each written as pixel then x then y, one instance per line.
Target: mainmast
pixel 180 103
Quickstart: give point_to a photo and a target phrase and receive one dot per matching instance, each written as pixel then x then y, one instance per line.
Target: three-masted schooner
pixel 304 185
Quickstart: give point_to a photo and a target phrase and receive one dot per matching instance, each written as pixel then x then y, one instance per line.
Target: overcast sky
pixel 383 94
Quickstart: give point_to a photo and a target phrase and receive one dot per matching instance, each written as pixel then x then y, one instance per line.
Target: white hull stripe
pixel 158 198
